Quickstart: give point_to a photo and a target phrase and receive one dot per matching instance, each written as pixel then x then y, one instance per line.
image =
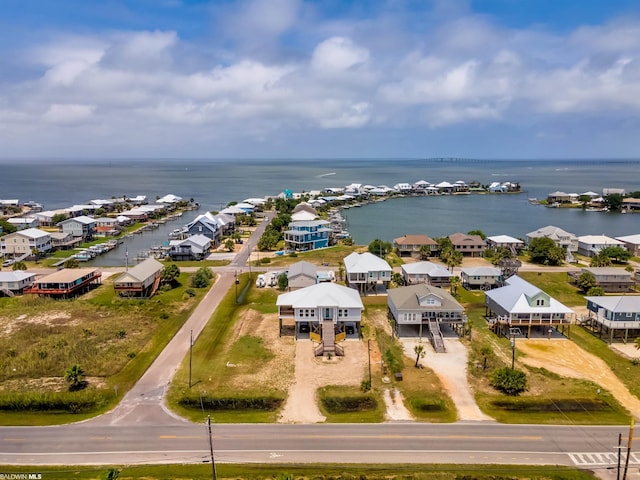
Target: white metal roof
pixel 365 262
pixel 428 268
pixel 618 303
pixel 504 239
pixel 599 240
pixel 33 233
pixel 482 271
pixel 515 298
pixel 322 295
pixel 635 239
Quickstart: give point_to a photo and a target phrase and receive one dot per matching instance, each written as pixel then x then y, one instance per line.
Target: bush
pixel 265 260
pixel 269 404
pixel 349 404
pixel 68 402
pixel 190 292
pixel 509 381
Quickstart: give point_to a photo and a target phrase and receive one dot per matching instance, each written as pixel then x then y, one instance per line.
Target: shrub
pixel 509 381
pixel 349 404
pixel 121 334
pixel 131 354
pixel 78 402
pixel 191 292
pixel 365 385
pixel 269 404
pixel 265 260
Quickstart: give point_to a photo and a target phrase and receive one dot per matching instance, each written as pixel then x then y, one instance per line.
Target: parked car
pixel 350 329
pixel 304 327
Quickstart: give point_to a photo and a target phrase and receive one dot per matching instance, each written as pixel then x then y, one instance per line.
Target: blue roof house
pixel 307 235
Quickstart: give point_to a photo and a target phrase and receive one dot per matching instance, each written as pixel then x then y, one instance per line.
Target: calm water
pixel 214 183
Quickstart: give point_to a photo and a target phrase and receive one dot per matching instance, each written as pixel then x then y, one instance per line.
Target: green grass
pixel 85 330
pixel 331 255
pixel 557 285
pixel 312 471
pixel 368 407
pixel 213 349
pixel 550 399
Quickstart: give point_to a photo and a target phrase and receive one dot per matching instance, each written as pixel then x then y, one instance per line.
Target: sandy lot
pixel 566 358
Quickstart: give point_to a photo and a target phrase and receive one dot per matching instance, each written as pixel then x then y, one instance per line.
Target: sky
pixel 291 79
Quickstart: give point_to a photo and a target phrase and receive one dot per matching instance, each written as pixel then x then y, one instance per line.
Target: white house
pixel 505 241
pixel 328 312
pixel 521 305
pixel 15 281
pixel 590 245
pixel 22 223
pixel 82 226
pixel 632 243
pixel 426 272
pixel 365 271
pixel 563 239
pixel 25 241
pixel 485 278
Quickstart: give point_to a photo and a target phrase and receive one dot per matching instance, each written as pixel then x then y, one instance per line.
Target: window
pixel 540 302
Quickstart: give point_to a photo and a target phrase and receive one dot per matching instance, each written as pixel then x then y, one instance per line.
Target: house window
pixel 539 302
pixel 431 301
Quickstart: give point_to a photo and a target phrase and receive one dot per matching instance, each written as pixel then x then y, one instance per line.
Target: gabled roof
pixel 302 268
pixel 140 272
pixel 598 271
pixel 417 239
pixel 32 233
pixel 303 215
pixel 322 294
pixel 444 185
pixel 482 271
pixel 409 298
pixel 516 297
pixel 197 240
pixel 309 223
pixel 15 276
pixel 83 219
pixel 67 275
pixel 365 262
pixel 618 303
pixel 426 268
pixel 169 198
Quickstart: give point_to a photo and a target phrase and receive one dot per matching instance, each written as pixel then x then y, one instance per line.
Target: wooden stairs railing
pixel 436 337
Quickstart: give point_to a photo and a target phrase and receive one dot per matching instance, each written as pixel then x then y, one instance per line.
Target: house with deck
pixel 560 237
pixel 426 272
pixel 514 245
pixel 307 235
pixel 141 281
pixel 630 203
pixel 206 225
pixel 327 313
pixel 23 242
pixel 610 279
pixel 468 245
pixel 522 307
pixel 107 226
pixel 66 282
pixel 22 223
pixel 195 247
pixel 614 316
pixel 423 308
pixel 79 227
pixel 413 245
pixel 14 282
pixel 366 271
pixel 591 245
pixel 483 278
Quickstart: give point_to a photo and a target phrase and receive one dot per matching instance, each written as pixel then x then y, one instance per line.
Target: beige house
pixel 468 245
pixel 141 281
pixel 24 241
pixel 411 245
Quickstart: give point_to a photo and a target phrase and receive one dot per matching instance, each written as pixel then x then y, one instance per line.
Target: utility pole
pixel 237 281
pixel 619 453
pixel 513 352
pixel 213 462
pixel 190 355
pixel 626 461
pixel 369 355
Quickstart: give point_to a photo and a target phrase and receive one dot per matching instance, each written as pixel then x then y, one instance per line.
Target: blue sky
pixel 309 79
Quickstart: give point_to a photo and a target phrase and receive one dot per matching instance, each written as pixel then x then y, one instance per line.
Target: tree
pixel 201 278
pixel 486 352
pixel 36 253
pixel 379 247
pixel 595 292
pixel 75 377
pixel 600 260
pixel 170 273
pixel 544 250
pixel 398 279
pixel 509 381
pixel 455 283
pixel 617 253
pixel 6 227
pixel 72 263
pixel 637 342
pixel 480 233
pixel 420 353
pixel 229 245
pixel 586 281
pixel 613 202
pixel 283 281
pixel 453 259
pixel 58 217
pixel 425 252
pixel 584 200
pixel 19 266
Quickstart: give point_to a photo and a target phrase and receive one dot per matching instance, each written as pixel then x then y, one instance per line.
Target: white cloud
pixel 68 114
pixel 289 74
pixel 338 54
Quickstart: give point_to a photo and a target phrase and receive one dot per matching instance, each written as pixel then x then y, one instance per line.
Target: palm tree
pixel 454 259
pixel 419 350
pixel 638 343
pixel 75 377
pixel 455 283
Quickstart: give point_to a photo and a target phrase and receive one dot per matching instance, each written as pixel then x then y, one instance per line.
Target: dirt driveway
pixel 566 358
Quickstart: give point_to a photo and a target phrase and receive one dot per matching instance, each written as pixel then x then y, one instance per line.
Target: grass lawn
pixel 232 364
pixel 549 399
pixel 348 404
pixel 557 285
pixel 113 339
pixel 331 255
pixel 313 471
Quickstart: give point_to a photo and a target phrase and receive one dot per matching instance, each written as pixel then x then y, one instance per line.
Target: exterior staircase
pixel 436 337
pixel 328 337
pixel 7 292
pixel 570 258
